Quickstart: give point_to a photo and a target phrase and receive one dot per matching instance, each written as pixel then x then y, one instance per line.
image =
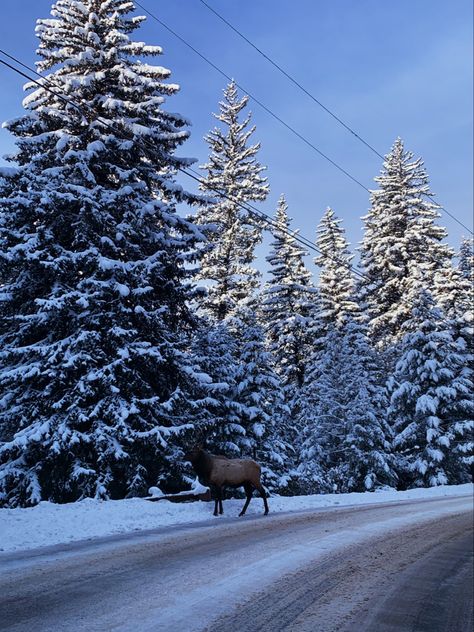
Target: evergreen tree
pixel 233 232
pixel 216 347
pixel 336 281
pixel 431 404
pixel 401 239
pixel 466 258
pixel 288 306
pixel 367 460
pixel 321 418
pixel 346 439
pixel 94 325
pixel 453 292
pixel 264 416
pixel 233 178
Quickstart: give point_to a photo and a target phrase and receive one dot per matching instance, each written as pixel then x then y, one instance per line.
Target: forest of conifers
pixel 134 320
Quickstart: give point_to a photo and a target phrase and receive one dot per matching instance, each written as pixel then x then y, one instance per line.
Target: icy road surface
pixel 400 567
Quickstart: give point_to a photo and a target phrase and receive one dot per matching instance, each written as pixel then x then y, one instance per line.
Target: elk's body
pixel 218 472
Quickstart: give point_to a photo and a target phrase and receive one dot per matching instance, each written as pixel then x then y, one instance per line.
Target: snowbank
pixel 48 524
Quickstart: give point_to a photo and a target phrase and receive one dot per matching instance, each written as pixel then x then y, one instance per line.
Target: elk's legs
pixel 215 493
pixel 264 496
pixel 218 508
pixel 248 492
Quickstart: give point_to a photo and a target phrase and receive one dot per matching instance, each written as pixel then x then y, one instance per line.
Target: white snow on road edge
pixel 49 524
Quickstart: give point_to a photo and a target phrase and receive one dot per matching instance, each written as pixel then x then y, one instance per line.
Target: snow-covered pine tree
pixel 400 239
pixel 320 409
pixel 337 301
pixel 264 417
pixel 464 329
pixel 466 258
pixel 346 438
pixel 366 456
pixel 453 292
pixel 216 346
pixel 7 275
pixel 94 327
pixel 431 400
pixel 336 280
pixel 321 420
pixel 233 232
pixel 233 178
pixel 463 303
pixel 288 306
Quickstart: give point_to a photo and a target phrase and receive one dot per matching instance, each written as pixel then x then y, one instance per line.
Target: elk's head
pixel 193 453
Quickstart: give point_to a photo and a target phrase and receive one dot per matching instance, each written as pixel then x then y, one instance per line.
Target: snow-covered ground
pixel 49 524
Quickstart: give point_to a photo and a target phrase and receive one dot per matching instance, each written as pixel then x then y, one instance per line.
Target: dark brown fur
pixel 218 472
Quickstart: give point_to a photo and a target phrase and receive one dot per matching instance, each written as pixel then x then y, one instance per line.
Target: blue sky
pixel 386 68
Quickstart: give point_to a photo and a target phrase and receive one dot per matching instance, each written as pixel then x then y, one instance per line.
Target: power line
pixel 142 142
pixel 197 177
pixel 307 243
pixel 292 79
pixel 42 85
pixel 254 98
pixel 308 93
pixel 50 87
pixel 271 112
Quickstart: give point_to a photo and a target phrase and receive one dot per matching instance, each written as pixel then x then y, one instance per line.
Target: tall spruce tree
pixel 96 379
pixel 233 178
pixel 336 280
pixel 466 258
pixel 321 417
pixel 320 413
pixel 264 415
pixel 401 239
pixel 346 438
pixel 453 292
pixel 431 404
pixel 233 232
pixel 216 347
pixel 366 455
pixel 288 306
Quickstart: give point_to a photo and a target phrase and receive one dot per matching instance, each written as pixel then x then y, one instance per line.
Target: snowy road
pixel 398 566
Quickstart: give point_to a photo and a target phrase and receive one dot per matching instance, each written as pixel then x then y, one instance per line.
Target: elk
pixel 218 472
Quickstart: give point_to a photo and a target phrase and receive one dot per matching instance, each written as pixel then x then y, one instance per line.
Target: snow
pixel 427 404
pixel 50 524
pixel 7 172
pixel 196 489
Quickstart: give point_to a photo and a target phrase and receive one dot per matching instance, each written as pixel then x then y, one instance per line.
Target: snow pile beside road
pixel 49 524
